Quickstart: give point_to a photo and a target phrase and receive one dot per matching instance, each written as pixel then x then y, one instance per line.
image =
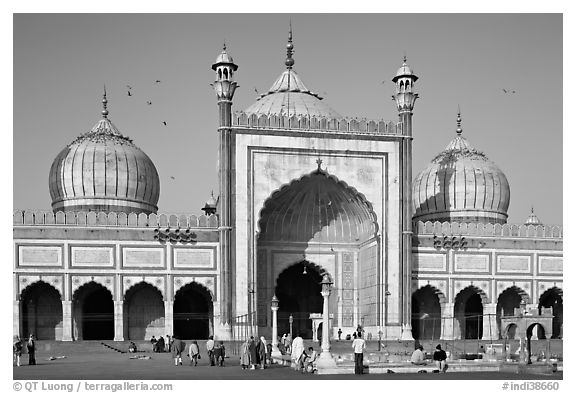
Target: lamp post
pixel 274 308
pixel 291 321
pixel 326 360
pixel 386 294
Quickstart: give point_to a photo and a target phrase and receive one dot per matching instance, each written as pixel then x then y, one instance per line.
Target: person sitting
pixel 440 359
pixel 310 360
pixel 153 340
pixel 418 357
pixel 132 347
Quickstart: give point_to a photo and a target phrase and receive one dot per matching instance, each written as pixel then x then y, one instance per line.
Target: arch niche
pixel 143 312
pixel 93 310
pixel 301 225
pixel 41 311
pixel 508 300
pixel 426 313
pixel 468 312
pixel 193 312
pixel 553 297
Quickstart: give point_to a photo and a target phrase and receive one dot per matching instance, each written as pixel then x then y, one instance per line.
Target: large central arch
pixel 193 312
pixel 42 311
pixel 93 308
pixel 316 219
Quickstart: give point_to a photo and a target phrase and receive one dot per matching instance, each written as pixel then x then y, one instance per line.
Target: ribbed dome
pixel 102 170
pixel 461 184
pixel 289 96
pixel 317 207
pixel 533 219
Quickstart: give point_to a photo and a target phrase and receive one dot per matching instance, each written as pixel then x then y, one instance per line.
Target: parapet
pixel 89 219
pixel 486 229
pixel 313 123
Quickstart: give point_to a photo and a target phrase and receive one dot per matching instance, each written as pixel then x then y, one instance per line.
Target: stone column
pixel 169 317
pixel 119 320
pixel 275 350
pixel 325 361
pixel 489 323
pixel 447 312
pixel 16 318
pixel 67 321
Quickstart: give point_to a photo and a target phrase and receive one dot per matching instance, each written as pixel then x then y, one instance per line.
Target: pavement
pixel 111 365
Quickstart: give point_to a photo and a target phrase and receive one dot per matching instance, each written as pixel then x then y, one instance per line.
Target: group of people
pixel 18 346
pixel 161 345
pixel 439 356
pixel 255 354
pixel 215 350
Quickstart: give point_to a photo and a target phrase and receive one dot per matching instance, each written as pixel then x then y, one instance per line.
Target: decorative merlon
pixel 90 219
pixel 486 229
pixel 313 123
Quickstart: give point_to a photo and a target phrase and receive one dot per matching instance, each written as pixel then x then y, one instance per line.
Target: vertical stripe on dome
pixel 111 169
pixel 489 197
pixel 496 193
pixel 122 172
pixel 99 170
pixel 73 164
pixel 132 173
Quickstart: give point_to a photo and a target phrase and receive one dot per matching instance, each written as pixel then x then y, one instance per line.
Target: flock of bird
pixel 148 102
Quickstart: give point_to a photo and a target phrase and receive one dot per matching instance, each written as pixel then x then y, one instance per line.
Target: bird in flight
pixel 129 93
pixel 256 90
pixel 149 102
pixel 158 80
pixel 164 123
pixel 129 87
pixel 172 177
pixel 509 91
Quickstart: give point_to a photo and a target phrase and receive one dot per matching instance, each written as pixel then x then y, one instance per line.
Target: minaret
pixel 405 99
pixel 224 86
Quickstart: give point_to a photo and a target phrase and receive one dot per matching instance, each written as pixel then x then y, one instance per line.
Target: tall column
pixel 489 323
pixel 67 321
pixel 16 318
pixel 224 87
pixel 405 98
pixel 169 317
pixel 119 320
pixel 274 307
pixel 326 361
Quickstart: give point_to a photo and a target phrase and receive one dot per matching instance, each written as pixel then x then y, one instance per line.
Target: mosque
pixel 304 193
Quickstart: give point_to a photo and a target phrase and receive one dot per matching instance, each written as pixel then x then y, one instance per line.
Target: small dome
pixel 224 58
pixel 533 219
pixel 102 170
pixel 461 184
pixel 289 95
pixel 404 71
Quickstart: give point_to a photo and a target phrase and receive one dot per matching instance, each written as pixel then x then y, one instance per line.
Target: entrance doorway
pixel 94 308
pixel 426 316
pixel 41 311
pixel 553 298
pixel 299 295
pixel 193 312
pixel 468 311
pixel 143 312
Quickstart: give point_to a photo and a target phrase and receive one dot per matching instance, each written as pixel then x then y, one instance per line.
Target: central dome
pixel 461 184
pixel 289 96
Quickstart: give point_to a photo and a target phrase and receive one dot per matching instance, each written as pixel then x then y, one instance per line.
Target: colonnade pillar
pixel 119 320
pixel 169 317
pixel 67 321
pixel 489 323
pixel 447 326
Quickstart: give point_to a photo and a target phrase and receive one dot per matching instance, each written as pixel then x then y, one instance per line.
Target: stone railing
pixel 312 123
pixel 482 229
pixel 89 219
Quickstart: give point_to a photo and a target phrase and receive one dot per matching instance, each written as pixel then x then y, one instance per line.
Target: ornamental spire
pixel 104 105
pixel 459 122
pixel 289 49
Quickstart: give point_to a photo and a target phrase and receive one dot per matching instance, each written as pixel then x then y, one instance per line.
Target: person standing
pixel 288 343
pixel 245 355
pixel 194 353
pixel 339 334
pixel 210 349
pixel 178 346
pixel 252 348
pixel 219 353
pixel 31 347
pixel 358 345
pixel 17 347
pixel 439 357
pixel 261 348
pixel 297 352
pixel 168 343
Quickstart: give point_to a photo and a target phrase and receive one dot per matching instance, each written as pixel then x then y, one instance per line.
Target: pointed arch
pixel 468 312
pixel 193 311
pixel 41 311
pixel 93 312
pixel 143 311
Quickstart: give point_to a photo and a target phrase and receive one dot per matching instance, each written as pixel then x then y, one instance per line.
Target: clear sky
pixel 62 61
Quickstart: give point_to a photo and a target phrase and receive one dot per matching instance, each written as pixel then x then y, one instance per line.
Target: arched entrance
pixel 193 312
pixel 510 331
pixel 426 314
pixel 553 298
pixel 94 312
pixel 298 295
pixel 468 310
pixel 304 222
pixel 143 312
pixel 41 311
pixel 507 302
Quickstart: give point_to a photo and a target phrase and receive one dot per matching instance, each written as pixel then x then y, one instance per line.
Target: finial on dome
pixel 289 49
pixel 459 123
pixel 224 46
pixel 104 104
pixel 404 61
